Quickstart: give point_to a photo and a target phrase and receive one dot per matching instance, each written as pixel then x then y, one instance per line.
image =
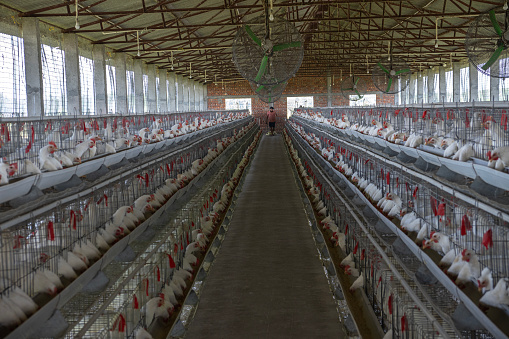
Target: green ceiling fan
pixel 268 50
pixel 391 75
pixel 268 93
pixel 486 43
pixel 354 88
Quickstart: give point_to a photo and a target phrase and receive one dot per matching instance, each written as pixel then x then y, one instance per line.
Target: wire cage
pixel 53 247
pixel 440 215
pixel 483 127
pixel 21 139
pixel 157 270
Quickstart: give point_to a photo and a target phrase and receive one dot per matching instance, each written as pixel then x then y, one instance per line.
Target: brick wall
pixel 298 86
pixel 214 104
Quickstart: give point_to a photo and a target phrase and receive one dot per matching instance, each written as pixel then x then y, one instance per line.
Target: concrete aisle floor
pixel 267 281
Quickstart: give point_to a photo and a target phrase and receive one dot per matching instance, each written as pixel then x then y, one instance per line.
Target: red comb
pixel 52 143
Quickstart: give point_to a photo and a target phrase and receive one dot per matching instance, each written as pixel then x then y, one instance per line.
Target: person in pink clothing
pixel 271 120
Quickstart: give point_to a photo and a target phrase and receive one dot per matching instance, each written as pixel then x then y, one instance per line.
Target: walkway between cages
pixel 267 281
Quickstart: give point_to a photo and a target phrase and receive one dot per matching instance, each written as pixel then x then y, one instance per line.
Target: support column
pixel 121 83
pixel 162 105
pixel 138 87
pixel 172 99
pixel 442 84
pixel 431 83
pixel 33 74
pixel 185 89
pixel 152 104
pixel 72 73
pixel 411 88
pixel 205 98
pixel 494 89
pixel 456 82
pixel 192 95
pixel 420 85
pixel 329 89
pixel 473 82
pixel 101 100
pixel 199 100
pixel 180 93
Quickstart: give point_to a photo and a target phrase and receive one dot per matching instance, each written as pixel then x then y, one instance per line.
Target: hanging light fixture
pixel 271 16
pixel 138 41
pixel 190 71
pixel 77 26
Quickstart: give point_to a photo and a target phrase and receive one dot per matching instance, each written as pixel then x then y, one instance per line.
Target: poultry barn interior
pixel 254 169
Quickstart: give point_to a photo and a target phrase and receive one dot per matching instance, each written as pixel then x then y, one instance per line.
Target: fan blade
pixel 349 89
pixel 253 36
pixel 356 81
pixel 389 85
pixel 358 94
pixel 493 58
pixel 495 24
pixel 383 68
pixel 402 71
pixel 259 88
pixel 263 67
pixel 281 47
pixel 270 99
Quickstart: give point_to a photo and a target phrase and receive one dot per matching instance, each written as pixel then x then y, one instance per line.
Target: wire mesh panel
pixel 448 229
pixel 483 128
pixel 31 146
pixel 54 246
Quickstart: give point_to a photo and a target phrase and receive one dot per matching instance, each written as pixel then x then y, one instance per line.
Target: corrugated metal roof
pixel 338 34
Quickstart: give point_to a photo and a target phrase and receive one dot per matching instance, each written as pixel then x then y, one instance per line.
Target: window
pixel 436 87
pixel 169 96
pixel 483 87
pixel 295 102
pixel 13 94
pixel 367 100
pixel 145 93
pixel 464 85
pixel 53 79
pixel 406 93
pixel 87 85
pixel 415 90
pixel 503 82
pixel 425 89
pixel 399 97
pixel 449 94
pixel 504 89
pixel 111 89
pixel 176 95
pixel 158 109
pixel 234 104
pixel 130 92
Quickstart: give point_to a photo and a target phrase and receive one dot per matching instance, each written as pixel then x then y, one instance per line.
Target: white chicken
pixel 497 297
pixel 30 167
pixel 358 283
pixel 46 159
pixel 158 308
pixel 485 281
pixel 88 144
pixel 464 153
